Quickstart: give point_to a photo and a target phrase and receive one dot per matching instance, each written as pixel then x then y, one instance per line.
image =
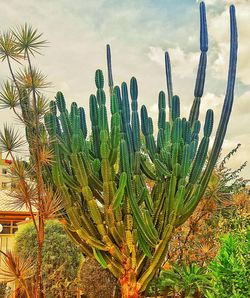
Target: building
pixel 9 218
pixel 6 182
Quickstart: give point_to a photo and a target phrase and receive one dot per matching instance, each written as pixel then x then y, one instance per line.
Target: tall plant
pixel 110 213
pixel 22 94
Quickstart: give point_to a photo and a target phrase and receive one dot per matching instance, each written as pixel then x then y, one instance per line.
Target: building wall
pixel 6 243
pixel 5 180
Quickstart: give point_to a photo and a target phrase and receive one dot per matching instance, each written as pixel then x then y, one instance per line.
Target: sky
pixel 139 33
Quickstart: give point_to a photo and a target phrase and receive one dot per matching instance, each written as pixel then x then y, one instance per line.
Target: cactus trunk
pixel 128 284
pixel 125 191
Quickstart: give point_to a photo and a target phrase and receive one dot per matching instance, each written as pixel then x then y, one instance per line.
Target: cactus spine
pixel 110 212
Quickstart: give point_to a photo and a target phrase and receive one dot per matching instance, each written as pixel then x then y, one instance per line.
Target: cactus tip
pixel 232 9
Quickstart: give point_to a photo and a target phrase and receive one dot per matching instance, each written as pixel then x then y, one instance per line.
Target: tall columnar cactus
pixel 110 211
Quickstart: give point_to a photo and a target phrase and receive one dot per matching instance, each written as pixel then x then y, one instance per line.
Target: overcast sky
pixel 139 33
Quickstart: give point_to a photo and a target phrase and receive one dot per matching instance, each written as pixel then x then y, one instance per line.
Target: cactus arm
pixel 201 74
pixel 83 122
pixel 161 121
pixel 185 165
pixel 135 117
pixel 99 257
pixel 169 84
pixel 115 138
pixel 110 75
pixel 228 102
pixel 157 259
pixel 120 192
pixel 94 122
pixel 70 182
pixel 60 101
pixel 132 200
pixel 147 169
pixel 85 248
pixel 147 130
pixel 175 107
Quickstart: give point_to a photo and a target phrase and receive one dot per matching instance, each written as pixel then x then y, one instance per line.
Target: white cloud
pixel 183 64
pixel 219 32
pixel 154 108
pixel 213 2
pixel 78 33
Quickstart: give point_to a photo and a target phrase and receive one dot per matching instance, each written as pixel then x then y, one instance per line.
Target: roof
pixel 6 203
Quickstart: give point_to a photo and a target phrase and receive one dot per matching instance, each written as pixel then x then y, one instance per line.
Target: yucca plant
pixel 110 212
pixel 18 270
pixel 22 94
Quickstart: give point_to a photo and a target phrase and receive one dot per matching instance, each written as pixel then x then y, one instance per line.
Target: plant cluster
pixel 222 210
pixel 224 200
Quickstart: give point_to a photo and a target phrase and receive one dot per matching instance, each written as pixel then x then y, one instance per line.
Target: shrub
pixel 60 261
pixel 231 268
pixel 96 281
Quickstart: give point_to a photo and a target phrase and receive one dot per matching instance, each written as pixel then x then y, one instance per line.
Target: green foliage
pixel 182 280
pixel 231 268
pixel 60 258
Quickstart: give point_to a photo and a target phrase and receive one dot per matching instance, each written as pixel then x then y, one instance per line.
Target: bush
pixel 97 282
pixel 231 268
pixel 60 261
pixel 182 281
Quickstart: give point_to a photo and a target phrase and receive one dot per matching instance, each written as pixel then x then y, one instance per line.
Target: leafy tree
pixel 60 258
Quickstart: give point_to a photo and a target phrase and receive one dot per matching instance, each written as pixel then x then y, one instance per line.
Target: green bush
pixel 182 281
pixel 60 261
pixel 231 268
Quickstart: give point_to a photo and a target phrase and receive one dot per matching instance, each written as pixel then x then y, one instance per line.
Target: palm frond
pixel 10 140
pixel 9 97
pixel 28 40
pixel 32 79
pixel 46 156
pixel 52 203
pixel 16 269
pixel 9 47
pixel 42 105
pixel 24 194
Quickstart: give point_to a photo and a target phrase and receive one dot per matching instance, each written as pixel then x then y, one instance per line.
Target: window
pixel 8 227
pixel 4 171
pixel 4 185
pixel 13 185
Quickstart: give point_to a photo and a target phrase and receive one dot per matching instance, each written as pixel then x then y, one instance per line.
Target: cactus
pixel 110 212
